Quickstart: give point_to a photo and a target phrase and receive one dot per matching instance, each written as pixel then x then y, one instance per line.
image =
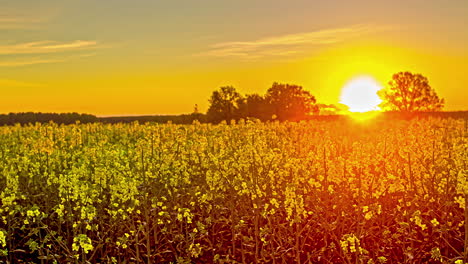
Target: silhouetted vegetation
pixel 422 115
pixel 406 93
pixel 281 101
pixel 225 104
pixel 407 96
pixel 290 102
pixel 410 92
pixel 59 118
pixel 175 119
pixel 256 106
pixel 71 118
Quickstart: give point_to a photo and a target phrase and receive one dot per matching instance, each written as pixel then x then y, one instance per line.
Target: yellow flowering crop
pixel 389 191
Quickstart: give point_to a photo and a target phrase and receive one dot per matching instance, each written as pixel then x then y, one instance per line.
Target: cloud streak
pixel 39 60
pixel 16 63
pixel 15 54
pixel 286 45
pixel 10 22
pixel 41 47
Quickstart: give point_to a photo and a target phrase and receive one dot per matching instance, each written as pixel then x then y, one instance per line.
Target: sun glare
pixel 360 94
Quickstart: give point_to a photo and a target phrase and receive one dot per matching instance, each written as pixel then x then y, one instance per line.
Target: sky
pixel 145 57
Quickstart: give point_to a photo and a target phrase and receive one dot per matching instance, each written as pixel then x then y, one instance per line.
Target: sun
pixel 360 94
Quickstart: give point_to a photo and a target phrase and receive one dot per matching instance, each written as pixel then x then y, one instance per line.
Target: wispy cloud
pixel 19 22
pixel 40 47
pixel 16 63
pixel 286 45
pixel 24 53
pixel 40 60
pixel 32 15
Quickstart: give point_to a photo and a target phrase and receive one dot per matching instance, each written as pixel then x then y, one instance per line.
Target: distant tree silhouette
pixel 290 102
pixel 59 118
pixel 225 104
pixel 162 119
pixel 408 92
pixel 256 106
pixel 196 115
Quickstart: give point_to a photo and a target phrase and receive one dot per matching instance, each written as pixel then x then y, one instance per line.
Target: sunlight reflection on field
pixel 364 116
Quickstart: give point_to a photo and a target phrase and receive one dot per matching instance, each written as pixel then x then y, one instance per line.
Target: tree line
pixel 406 92
pixel 72 118
pixel 281 101
pixel 59 118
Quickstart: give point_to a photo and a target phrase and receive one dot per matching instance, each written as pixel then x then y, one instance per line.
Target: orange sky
pixel 162 57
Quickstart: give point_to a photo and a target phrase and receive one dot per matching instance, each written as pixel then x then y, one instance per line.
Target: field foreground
pixel 310 192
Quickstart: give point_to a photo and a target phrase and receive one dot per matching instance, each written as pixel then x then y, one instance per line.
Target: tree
pixel 256 106
pixel 195 115
pixel 225 104
pixel 408 92
pixel 290 102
